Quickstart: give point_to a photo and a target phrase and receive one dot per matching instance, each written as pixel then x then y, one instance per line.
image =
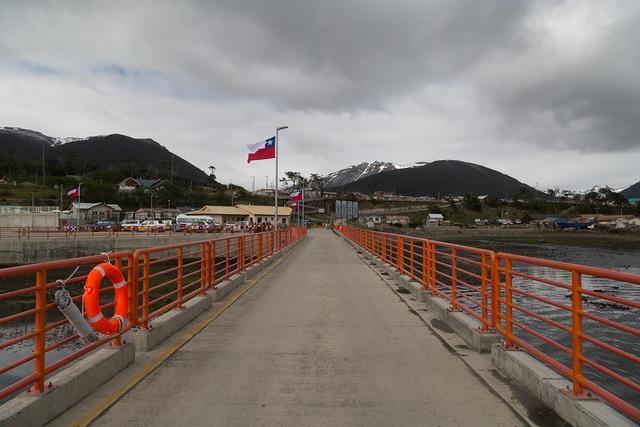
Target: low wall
pixel 29 251
pixel 29 220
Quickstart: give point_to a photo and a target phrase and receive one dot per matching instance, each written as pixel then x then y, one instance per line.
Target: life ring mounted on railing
pixel 91 298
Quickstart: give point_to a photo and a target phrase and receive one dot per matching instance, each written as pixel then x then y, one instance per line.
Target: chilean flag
pixel 74 193
pixel 296 196
pixel 262 150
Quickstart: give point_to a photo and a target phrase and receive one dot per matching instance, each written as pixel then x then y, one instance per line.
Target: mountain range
pixel 356 172
pixel 418 179
pixel 632 192
pixel 103 150
pixel 436 178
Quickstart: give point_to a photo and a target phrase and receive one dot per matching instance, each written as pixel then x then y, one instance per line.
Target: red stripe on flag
pixel 262 154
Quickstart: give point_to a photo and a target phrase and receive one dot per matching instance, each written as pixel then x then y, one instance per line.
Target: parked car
pixel 130 225
pixel 200 227
pixel 232 227
pixel 151 225
pixel 106 225
pixel 168 225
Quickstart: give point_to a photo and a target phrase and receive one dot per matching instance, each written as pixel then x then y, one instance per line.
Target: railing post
pixel 253 248
pixel 132 278
pixel 577 375
pixel 180 277
pixel 260 246
pixel 400 254
pixel 484 297
pixel 228 260
pixel 411 269
pixel 384 247
pixel 40 330
pixel 145 291
pixel 434 266
pixel 240 253
pixel 495 292
pixel 213 263
pixel 508 304
pixel 425 264
pixel 203 268
pixel 454 281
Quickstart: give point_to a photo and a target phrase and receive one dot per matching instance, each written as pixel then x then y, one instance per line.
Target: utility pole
pixel 253 184
pixel 266 182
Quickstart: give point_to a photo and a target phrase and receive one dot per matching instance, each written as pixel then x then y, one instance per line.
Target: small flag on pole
pixel 296 196
pixel 262 150
pixel 74 193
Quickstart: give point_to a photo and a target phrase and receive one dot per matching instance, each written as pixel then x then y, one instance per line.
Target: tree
pixel 211 179
pixel 318 183
pixel 471 202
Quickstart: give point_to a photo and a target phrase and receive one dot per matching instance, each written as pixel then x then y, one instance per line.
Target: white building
pixel 434 219
pixel 252 213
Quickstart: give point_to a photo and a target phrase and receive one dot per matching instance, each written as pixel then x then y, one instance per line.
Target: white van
pixel 183 220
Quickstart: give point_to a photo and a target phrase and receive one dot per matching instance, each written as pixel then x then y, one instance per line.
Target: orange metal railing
pixel 524 299
pixel 35 331
pixel 40 340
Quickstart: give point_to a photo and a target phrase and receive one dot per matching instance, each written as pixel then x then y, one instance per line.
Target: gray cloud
pixel 401 81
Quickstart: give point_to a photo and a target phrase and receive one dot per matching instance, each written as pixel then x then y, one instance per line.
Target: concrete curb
pixel 169 323
pixel 550 388
pixel 70 386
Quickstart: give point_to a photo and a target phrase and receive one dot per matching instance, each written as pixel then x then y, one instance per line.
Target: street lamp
pixel 151 207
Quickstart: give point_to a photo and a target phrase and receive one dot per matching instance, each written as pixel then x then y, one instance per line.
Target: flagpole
pixel 275 216
pixel 78 224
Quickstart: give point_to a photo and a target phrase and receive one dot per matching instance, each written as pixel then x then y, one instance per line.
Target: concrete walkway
pixel 321 341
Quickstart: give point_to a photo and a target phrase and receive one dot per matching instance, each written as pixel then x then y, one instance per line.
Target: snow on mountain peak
pixel 354 173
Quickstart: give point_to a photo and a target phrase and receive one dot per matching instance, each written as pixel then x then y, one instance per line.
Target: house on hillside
pixel 376 219
pixel 90 213
pixel 397 220
pixel 434 220
pixel 131 184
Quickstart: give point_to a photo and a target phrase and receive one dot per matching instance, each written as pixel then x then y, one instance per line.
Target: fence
pixel 159 279
pixel 592 340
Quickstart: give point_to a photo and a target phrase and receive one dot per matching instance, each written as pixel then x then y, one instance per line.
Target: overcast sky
pixel 546 91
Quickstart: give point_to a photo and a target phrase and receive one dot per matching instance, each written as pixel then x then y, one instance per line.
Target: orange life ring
pixel 92 299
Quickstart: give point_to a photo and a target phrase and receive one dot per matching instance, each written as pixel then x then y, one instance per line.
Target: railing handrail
pixel 567 266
